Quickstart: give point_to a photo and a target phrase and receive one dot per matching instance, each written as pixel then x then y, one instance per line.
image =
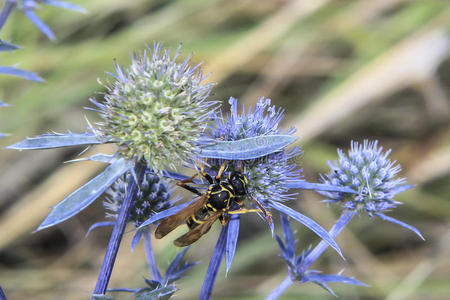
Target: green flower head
pixel 156 109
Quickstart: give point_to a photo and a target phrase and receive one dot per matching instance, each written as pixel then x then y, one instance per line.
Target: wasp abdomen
pixel 198 218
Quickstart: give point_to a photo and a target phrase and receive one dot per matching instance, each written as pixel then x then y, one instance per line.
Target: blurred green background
pixel 343 70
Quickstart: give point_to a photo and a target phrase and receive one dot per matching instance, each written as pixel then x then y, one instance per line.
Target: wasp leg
pixel 239 202
pixel 264 211
pixel 182 183
pixel 243 211
pixel 188 180
pixel 204 174
pixel 239 166
pixel 222 168
pixel 224 220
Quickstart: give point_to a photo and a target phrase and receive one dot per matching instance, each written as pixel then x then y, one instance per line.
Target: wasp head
pixel 239 182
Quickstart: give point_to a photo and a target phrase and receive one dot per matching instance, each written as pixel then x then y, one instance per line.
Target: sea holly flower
pixel 269 172
pixel 156 109
pixel 270 177
pixel 369 171
pixel 165 110
pixel 155 195
pixel 294 263
pixel 139 118
pixel 28 7
pixel 267 175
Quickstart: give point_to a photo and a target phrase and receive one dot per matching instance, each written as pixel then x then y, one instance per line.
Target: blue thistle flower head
pixel 154 195
pixel 369 171
pixel 267 175
pixel 156 109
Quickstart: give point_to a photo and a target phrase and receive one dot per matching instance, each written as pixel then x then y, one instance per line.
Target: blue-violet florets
pixel 267 175
pixel 367 170
pixel 153 196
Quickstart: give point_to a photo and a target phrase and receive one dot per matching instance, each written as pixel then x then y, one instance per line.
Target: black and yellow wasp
pixel 210 206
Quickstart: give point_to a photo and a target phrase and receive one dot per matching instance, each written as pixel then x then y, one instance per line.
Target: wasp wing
pixel 172 222
pixel 194 234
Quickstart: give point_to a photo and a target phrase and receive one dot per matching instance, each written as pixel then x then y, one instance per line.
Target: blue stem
pixel 7 9
pixel 214 265
pixel 345 217
pixel 151 261
pixel 2 295
pixel 279 290
pixel 117 234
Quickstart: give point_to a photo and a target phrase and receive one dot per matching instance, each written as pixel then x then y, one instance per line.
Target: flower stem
pixel 279 290
pixel 119 228
pixel 345 217
pixel 6 11
pixel 2 295
pixel 154 272
pixel 214 265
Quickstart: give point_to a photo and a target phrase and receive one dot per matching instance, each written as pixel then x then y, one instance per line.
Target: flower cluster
pixel 156 109
pixel 368 170
pixel 158 113
pixel 268 176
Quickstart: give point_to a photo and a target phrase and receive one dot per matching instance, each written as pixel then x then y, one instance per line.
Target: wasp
pixel 213 205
